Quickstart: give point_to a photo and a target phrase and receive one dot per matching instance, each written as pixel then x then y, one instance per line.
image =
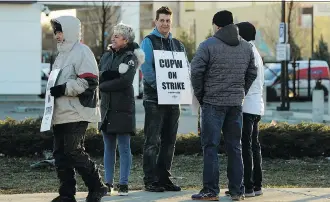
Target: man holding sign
pixel 165 87
pixel 76 97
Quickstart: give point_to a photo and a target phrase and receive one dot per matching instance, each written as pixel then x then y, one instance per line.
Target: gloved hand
pixel 109 75
pixel 58 91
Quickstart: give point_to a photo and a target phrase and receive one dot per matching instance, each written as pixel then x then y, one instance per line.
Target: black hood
pixel 229 35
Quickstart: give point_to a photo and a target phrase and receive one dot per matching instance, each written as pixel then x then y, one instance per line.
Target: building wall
pixel 20 49
pixel 265 16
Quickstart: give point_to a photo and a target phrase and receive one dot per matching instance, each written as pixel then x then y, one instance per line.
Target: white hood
pixel 139 53
pixel 71 27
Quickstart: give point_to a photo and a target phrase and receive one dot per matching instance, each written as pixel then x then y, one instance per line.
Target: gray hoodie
pixel 223 68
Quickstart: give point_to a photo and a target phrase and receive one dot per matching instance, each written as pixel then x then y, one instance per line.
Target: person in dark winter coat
pixel 118 67
pixel 222 72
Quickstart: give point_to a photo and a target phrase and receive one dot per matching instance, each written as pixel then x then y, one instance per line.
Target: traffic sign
pixel 283 52
pixel 283 33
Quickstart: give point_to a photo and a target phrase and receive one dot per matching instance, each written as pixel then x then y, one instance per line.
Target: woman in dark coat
pixel 118 67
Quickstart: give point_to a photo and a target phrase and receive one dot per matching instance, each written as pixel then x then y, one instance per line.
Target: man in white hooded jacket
pixel 76 105
pixel 253 109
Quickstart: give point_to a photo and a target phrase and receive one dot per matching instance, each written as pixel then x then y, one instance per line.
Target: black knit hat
pixel 57 27
pixel 223 18
pixel 247 31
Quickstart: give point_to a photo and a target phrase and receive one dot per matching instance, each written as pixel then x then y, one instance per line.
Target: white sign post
pixel 173 80
pixel 283 33
pixel 283 52
pixel 49 102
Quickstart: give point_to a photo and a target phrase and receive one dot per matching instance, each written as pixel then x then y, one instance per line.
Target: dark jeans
pixel 160 130
pixel 229 120
pixel 70 155
pixel 251 152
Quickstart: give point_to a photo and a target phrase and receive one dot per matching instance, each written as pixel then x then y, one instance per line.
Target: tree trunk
pixel 104 16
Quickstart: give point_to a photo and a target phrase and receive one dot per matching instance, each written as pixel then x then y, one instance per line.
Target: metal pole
pixel 199 122
pixel 287 98
pixel 312 27
pixel 283 70
pixel 309 78
pixel 298 78
pixel 294 78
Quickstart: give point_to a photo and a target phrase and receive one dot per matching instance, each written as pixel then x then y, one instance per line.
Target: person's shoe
pixel 122 190
pixel 64 199
pixel 97 194
pixel 170 186
pixel 249 193
pixel 227 193
pixel 258 191
pixel 110 189
pixel 237 197
pixel 154 187
pixel 205 195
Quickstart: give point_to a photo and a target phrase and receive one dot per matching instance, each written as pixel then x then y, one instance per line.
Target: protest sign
pixel 172 75
pixel 49 102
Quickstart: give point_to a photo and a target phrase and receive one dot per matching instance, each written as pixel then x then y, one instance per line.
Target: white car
pixel 319 71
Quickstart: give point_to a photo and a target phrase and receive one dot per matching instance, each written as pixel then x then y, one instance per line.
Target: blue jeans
pixel 229 120
pixel 110 145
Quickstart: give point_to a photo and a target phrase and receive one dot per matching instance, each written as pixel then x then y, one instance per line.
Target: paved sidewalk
pixel 274 194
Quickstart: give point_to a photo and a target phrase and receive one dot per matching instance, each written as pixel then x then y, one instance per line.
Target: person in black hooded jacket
pixel 118 67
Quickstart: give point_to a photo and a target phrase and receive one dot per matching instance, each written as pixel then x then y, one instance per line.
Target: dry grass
pixel 17 177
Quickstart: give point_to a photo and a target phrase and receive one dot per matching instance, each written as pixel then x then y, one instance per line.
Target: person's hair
pixel 125 30
pixel 163 10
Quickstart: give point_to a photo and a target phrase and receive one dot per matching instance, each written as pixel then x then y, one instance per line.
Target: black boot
pixel 97 194
pixel 169 185
pixel 67 181
pixel 64 199
pixel 91 176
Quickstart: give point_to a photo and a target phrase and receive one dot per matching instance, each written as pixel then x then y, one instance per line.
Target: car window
pixel 271 73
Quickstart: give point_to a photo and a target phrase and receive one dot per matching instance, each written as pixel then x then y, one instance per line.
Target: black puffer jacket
pixel 117 71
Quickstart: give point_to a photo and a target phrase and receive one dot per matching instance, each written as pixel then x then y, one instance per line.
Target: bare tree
pixel 294 30
pixel 99 22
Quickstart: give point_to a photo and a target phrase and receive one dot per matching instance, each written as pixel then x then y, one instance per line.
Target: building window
pixel 189 6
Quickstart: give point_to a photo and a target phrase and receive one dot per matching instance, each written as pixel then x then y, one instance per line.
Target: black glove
pixel 109 75
pixel 58 91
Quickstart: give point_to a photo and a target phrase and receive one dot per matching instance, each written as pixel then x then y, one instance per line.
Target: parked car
pixel 319 71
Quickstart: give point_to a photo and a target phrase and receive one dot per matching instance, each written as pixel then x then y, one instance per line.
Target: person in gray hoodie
pixel 222 72
pixel 76 104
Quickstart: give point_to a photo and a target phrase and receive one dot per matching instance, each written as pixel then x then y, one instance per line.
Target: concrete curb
pixel 270 194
